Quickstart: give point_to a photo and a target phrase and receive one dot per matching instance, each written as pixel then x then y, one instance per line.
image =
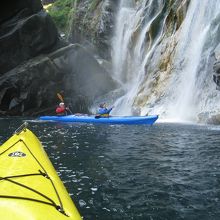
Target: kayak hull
pixel 30 187
pixel 110 120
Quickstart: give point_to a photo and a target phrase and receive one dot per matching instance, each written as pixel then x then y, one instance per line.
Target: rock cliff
pixel 35 64
pixel 26 31
pixel 92 24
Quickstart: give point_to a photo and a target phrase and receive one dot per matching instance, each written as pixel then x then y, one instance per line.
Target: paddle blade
pixel 60 97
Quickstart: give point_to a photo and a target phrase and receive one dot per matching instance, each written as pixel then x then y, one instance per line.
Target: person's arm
pixel 108 110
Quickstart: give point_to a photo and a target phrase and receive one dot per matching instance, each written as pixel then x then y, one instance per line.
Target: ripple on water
pixel 166 171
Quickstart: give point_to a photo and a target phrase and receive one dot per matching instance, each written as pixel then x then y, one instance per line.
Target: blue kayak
pixel 110 120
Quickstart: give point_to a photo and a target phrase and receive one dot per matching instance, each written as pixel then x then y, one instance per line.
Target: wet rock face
pixel 216 67
pixel 216 75
pixel 26 31
pixel 94 23
pixel 31 88
pixel 35 65
pixel 11 8
pixel 88 77
pixel 26 89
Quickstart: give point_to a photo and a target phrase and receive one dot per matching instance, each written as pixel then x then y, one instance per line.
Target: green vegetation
pixel 60 12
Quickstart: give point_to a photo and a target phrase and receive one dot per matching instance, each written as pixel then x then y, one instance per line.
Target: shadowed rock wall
pixel 28 32
pixel 31 88
pixel 92 22
pixel 35 64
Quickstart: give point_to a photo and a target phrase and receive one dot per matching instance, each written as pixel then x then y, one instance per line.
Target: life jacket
pixel 60 110
pixel 104 115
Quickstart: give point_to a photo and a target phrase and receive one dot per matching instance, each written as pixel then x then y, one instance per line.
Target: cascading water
pixel 186 88
pixel 192 79
pixel 129 53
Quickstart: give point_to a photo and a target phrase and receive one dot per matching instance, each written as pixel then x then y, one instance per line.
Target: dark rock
pixel 35 64
pixel 88 78
pixel 10 8
pixel 94 24
pixel 45 2
pixel 28 32
pixel 31 88
pixel 216 67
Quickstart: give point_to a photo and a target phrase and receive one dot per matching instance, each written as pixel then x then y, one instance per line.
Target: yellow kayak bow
pixel 30 188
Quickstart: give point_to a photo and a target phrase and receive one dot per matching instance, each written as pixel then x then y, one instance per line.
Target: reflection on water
pixel 164 171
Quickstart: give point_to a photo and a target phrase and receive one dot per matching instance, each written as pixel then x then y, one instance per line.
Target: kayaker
pixel 62 109
pixel 103 111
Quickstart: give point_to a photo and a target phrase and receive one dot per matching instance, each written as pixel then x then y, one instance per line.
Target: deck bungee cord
pixel 44 174
pixel 29 181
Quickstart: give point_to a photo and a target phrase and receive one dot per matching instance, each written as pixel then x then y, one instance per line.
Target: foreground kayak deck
pixel 110 120
pixel 30 187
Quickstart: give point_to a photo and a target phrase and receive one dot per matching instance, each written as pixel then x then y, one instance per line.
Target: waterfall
pixel 184 90
pixel 192 79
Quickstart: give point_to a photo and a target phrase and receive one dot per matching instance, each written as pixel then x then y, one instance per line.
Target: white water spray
pixel 129 58
pixel 190 89
pixel 191 62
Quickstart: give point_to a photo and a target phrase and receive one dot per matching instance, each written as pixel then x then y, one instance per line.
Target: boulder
pixel 31 88
pixel 26 31
pixel 12 10
pixel 35 64
pixel 89 77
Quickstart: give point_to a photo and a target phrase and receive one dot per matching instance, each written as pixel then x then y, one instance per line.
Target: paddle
pixel 62 100
pixel 60 97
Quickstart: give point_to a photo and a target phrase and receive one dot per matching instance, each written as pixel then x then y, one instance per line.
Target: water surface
pixel 164 171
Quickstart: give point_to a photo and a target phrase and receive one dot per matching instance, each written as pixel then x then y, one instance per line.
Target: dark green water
pixel 165 171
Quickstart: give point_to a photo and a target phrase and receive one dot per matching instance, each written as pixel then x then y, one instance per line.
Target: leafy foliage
pixel 60 12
